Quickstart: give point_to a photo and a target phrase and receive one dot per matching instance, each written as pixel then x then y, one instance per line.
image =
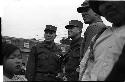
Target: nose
pixel 18 61
pixel 69 31
pixel 47 34
pixel 84 13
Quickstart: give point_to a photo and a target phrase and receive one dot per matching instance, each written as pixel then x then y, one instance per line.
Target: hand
pixel 60 75
pixel 65 79
pixel 78 69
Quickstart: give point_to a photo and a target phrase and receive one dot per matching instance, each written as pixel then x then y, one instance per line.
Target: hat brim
pixel 95 6
pixel 49 30
pixel 69 26
pixel 82 9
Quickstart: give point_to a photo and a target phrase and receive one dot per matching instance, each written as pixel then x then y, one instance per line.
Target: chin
pixel 48 40
pixel 69 36
pixel 17 71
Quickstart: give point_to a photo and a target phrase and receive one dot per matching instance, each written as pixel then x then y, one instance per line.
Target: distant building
pixel 24 44
pixel 25 52
pixel 20 42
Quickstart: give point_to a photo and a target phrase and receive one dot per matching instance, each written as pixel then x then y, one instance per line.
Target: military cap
pixel 50 27
pixel 84 6
pixel 75 23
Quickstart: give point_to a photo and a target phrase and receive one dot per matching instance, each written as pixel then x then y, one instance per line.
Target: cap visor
pixel 49 30
pixel 69 26
pixel 80 9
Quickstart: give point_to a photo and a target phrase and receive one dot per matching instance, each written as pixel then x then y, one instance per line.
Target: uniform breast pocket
pixel 42 56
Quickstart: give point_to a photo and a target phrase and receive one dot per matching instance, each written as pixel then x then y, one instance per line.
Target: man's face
pixel 49 35
pixel 73 32
pixel 88 15
pixel 113 11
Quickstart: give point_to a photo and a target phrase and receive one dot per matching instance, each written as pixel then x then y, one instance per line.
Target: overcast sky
pixel 28 18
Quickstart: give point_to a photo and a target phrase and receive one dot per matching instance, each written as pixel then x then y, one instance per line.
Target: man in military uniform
pixel 44 60
pixel 72 59
pixel 95 24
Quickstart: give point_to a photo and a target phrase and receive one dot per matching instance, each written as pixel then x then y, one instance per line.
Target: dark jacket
pixel 44 58
pixel 73 59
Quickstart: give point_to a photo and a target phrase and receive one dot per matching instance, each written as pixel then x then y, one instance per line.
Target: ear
pixel 55 35
pixel 97 15
pixel 80 31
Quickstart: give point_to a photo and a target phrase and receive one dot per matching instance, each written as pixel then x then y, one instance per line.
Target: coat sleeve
pixel 82 65
pixel 106 59
pixel 30 68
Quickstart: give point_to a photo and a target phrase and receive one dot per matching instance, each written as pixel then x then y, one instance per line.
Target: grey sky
pixel 28 18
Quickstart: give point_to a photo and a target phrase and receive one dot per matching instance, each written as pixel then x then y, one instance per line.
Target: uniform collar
pixel 76 42
pixel 49 45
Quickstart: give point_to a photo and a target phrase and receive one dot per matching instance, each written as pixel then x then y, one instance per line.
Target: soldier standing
pixel 95 24
pixel 72 58
pixel 44 60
